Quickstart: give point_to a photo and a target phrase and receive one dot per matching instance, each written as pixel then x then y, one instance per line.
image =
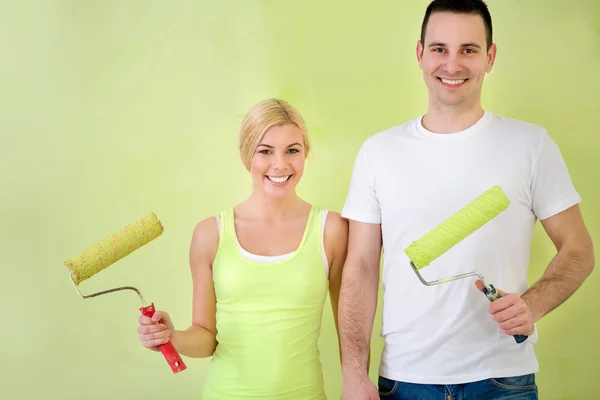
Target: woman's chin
pixel 277 190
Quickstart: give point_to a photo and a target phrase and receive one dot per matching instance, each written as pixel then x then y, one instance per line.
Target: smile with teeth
pixel 278 179
pixel 452 82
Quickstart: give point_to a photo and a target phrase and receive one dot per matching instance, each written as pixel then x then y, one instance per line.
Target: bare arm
pixel 570 267
pixel 199 340
pixel 336 247
pixel 358 299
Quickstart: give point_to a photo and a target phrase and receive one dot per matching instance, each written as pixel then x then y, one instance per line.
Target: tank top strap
pixel 227 237
pixel 312 235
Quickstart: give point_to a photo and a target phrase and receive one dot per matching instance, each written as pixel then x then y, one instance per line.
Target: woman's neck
pixel 257 206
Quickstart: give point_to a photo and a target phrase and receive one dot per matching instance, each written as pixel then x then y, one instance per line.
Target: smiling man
pixel 447 341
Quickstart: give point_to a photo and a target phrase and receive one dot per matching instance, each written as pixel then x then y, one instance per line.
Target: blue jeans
pixel 513 388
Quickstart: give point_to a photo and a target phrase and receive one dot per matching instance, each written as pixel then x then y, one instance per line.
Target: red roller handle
pixel 167 349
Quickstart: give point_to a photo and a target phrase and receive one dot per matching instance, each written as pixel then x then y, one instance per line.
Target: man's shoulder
pixel 520 127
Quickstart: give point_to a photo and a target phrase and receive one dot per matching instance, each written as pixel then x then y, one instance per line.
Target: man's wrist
pixel 531 306
pixel 352 374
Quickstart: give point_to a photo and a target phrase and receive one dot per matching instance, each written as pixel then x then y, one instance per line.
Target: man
pixel 448 340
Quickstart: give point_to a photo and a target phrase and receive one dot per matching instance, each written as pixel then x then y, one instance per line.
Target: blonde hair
pixel 263 116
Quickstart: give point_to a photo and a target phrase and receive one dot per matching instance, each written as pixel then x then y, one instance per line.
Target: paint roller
pixel 450 232
pixel 110 250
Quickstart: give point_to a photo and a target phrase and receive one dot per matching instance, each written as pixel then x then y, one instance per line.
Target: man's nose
pixel 452 65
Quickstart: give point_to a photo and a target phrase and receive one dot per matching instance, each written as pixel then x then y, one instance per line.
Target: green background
pixel 113 109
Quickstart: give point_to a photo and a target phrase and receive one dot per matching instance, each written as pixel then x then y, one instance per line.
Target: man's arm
pixel 358 299
pixel 570 267
pixel 573 263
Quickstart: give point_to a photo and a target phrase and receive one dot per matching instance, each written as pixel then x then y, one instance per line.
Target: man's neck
pixel 448 120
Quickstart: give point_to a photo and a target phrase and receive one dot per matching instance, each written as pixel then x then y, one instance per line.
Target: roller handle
pixel 492 294
pixel 167 349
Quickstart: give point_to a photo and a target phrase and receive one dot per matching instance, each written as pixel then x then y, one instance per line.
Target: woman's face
pixel 278 161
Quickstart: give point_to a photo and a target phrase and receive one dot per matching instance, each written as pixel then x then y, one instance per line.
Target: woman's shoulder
pixel 211 225
pixel 207 226
pixel 205 237
pixel 335 237
pixel 335 225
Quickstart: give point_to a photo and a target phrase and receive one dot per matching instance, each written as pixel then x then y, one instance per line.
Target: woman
pixel 261 272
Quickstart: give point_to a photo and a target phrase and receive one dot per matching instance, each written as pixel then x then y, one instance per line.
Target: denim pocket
pixel 522 382
pixel 387 387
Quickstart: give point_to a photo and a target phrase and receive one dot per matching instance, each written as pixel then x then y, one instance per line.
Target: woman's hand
pixel 156 330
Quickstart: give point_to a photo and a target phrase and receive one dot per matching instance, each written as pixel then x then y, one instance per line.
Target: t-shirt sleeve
pixel 552 188
pixel 361 202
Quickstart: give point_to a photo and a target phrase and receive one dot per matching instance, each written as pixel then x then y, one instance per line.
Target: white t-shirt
pixel 409 180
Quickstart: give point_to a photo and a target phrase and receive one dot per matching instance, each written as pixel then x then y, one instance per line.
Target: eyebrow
pixel 440 44
pixel 271 147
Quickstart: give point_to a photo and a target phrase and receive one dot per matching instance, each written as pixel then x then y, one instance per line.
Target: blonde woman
pixel 261 273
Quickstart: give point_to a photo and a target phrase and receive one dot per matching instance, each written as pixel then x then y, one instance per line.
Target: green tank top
pixel 268 320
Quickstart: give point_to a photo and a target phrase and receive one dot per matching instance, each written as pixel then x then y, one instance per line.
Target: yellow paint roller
pixel 454 229
pixel 110 250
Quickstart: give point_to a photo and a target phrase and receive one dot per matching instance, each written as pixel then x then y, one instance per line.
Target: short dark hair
pixel 476 7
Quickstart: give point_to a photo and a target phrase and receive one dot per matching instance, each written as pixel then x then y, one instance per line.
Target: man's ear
pixel 491 57
pixel 419 51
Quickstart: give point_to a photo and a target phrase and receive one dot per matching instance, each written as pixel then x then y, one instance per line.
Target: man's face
pixel 454 58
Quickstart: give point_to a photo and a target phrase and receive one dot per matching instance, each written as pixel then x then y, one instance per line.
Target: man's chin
pixel 452 101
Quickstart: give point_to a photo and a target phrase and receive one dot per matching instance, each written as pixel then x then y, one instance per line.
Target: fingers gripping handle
pixel 168 350
pixel 492 294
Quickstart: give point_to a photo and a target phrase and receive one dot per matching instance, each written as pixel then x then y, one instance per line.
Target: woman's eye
pixel 263 151
pixel 293 151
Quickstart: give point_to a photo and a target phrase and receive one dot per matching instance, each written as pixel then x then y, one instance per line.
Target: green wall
pixel 112 109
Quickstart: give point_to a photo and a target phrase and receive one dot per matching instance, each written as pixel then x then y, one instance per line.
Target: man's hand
pixel 360 389
pixel 511 312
